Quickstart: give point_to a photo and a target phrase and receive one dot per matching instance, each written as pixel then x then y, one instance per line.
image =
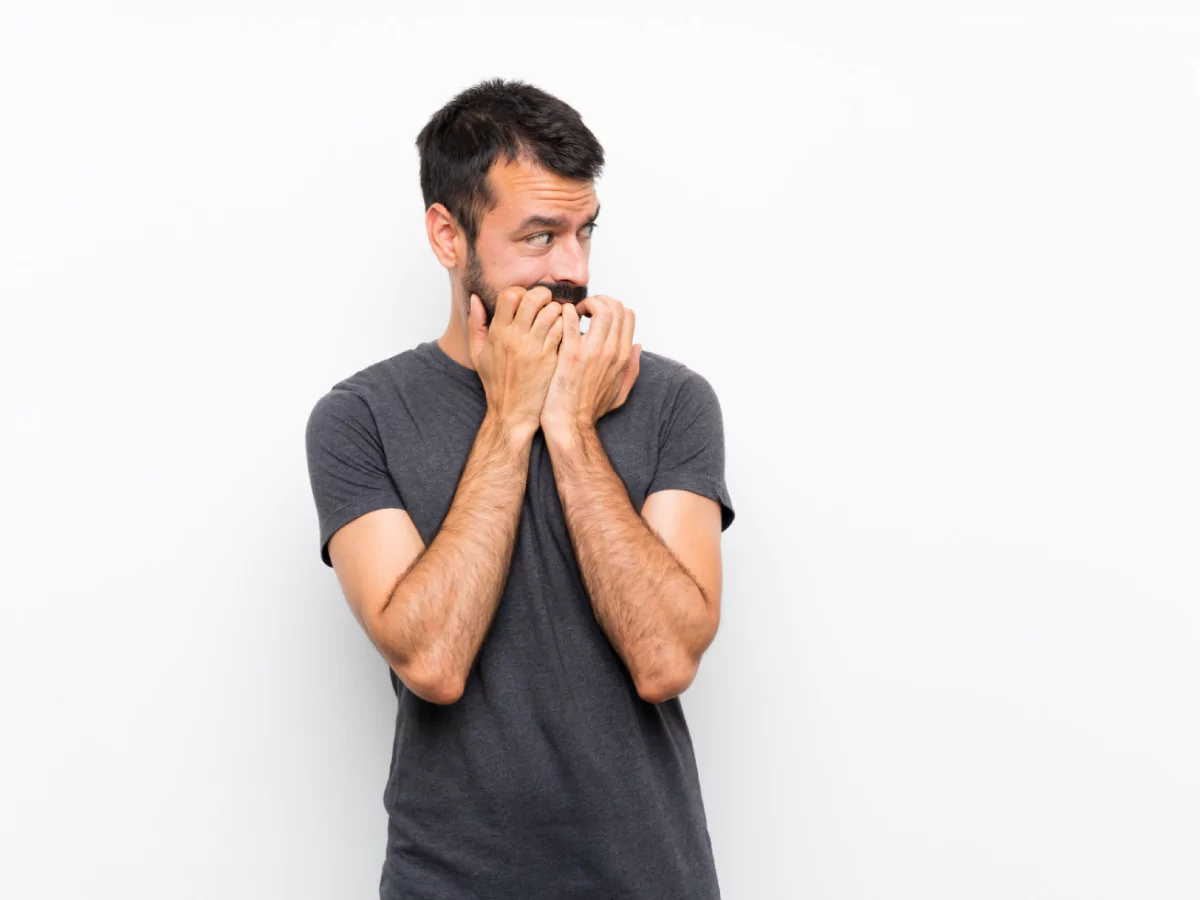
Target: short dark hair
pixel 509 119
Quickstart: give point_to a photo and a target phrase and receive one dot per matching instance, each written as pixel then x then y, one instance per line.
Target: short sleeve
pixel 347 467
pixel 691 454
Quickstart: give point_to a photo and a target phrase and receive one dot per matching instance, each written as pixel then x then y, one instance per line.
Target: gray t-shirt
pixel 550 777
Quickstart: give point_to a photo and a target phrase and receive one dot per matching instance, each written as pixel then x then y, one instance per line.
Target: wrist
pixel 566 431
pixel 516 433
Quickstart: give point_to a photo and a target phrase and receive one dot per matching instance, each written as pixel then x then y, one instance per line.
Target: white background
pixel 942 272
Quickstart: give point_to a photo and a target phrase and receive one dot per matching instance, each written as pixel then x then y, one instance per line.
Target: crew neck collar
pixel 451 366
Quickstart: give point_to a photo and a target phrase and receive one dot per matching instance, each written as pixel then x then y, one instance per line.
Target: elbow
pixel 430 685
pixel 667 682
pixel 417 670
pixel 444 693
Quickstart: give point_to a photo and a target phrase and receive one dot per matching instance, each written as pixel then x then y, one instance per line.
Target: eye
pixel 533 238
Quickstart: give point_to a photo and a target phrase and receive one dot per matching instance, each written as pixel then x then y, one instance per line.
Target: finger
pixel 585 308
pixel 625 344
pixel 571 337
pixel 506 305
pixel 531 304
pixel 593 305
pixel 546 317
pixel 601 322
pixel 613 347
pixel 553 336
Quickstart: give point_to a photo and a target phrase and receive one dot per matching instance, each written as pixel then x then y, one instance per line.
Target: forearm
pixel 651 608
pixel 441 609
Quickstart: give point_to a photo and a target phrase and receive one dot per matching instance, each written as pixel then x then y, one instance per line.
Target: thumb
pixel 476 326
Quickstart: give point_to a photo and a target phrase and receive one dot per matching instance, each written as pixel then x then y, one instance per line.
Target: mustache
pixel 564 291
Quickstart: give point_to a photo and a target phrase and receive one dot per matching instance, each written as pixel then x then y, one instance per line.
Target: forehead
pixel 522 188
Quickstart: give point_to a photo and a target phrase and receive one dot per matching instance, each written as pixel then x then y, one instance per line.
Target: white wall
pixel 943 274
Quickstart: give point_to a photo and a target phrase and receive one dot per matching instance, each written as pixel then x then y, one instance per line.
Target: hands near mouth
pixel 539 370
pixel 595 371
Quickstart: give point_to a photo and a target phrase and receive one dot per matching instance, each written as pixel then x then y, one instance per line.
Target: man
pixel 526 520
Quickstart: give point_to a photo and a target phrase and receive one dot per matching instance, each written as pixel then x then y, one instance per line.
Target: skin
pixel 654 578
pixel 507 255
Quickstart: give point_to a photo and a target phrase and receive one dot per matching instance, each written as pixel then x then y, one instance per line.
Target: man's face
pixel 538 233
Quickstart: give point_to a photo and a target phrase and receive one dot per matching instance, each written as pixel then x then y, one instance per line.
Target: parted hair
pixel 505 119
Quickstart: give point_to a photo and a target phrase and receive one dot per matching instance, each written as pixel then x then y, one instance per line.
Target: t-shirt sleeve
pixel 347 467
pixel 691 450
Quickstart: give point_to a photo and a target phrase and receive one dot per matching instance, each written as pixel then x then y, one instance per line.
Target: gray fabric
pixel 550 777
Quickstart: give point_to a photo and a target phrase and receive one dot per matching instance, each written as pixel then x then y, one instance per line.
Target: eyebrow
pixel 552 221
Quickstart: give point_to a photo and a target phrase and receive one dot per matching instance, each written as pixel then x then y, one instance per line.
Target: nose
pixel 570 261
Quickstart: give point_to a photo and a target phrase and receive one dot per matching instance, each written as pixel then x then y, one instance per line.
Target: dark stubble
pixel 475 283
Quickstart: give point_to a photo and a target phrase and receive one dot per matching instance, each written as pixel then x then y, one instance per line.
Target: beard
pixel 474 282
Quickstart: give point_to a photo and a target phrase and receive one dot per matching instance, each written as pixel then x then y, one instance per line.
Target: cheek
pixel 515 269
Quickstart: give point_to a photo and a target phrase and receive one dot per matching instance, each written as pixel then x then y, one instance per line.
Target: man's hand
pixel 515 355
pixel 594 372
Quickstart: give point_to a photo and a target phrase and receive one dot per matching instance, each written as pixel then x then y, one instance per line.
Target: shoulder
pixel 658 366
pixel 673 382
pixel 356 395
pixel 385 374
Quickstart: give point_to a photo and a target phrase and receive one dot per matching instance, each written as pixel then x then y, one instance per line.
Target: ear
pixel 443 233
